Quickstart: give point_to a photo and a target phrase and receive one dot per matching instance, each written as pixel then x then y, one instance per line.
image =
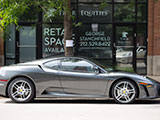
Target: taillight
pixel 1 80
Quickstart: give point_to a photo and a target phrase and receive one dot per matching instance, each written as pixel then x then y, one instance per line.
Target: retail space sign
pixel 94 38
pixel 53 40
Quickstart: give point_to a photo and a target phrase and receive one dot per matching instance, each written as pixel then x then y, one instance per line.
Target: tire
pixel 124 91
pixel 21 90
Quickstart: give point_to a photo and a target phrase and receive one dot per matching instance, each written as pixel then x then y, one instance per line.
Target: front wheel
pixel 124 91
pixel 21 90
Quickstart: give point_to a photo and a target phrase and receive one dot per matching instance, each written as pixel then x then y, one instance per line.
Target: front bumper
pixel 150 91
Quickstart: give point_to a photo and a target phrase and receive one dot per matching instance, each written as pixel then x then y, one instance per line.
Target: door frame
pixel 134 65
pixel 38 41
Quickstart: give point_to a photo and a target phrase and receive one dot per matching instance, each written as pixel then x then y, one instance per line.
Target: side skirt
pixel 69 95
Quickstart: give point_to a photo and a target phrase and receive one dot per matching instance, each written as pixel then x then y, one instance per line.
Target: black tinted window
pixel 53 64
pixel 76 65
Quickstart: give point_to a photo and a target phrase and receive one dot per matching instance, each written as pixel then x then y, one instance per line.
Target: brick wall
pixel 153 59
pixel 153 27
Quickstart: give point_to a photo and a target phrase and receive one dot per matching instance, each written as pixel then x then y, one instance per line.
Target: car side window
pixel 52 64
pixel 76 65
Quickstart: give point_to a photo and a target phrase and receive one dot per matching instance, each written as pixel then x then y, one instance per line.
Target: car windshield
pixel 99 64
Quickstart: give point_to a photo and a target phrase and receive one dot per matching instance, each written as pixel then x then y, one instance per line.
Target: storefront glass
pixel 10 45
pixel 105 31
pixel 95 41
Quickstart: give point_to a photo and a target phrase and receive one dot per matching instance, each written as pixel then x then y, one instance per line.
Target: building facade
pixel 153 61
pixel 122 34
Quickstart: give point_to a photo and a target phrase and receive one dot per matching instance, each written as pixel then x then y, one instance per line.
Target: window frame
pixel 58 66
pixel 93 64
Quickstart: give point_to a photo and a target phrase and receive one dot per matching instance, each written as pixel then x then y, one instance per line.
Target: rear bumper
pixel 3 82
pixel 3 88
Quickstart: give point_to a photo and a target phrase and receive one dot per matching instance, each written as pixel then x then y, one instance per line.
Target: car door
pixel 79 77
pixel 52 82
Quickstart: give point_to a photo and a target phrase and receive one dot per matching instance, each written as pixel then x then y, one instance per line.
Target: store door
pixel 26 44
pixel 125 48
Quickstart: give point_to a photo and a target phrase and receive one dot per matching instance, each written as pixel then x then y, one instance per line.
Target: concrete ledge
pixel 149 65
pixel 1 60
pixel 2 98
pixel 153 65
pixel 157 78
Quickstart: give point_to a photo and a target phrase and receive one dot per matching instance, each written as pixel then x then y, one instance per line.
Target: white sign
pixel 69 43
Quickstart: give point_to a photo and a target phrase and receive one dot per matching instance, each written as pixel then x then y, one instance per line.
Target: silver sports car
pixel 73 77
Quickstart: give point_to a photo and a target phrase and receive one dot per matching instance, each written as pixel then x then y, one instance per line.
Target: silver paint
pixel 52 83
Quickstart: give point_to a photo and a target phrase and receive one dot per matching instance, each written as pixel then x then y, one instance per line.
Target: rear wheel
pixel 21 90
pixel 124 91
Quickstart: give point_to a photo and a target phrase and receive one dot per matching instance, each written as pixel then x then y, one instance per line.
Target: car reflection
pixel 125 55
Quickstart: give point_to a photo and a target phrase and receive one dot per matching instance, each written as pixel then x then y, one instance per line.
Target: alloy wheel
pixel 124 92
pixel 21 90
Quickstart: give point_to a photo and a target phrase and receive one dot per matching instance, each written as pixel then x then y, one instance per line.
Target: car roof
pixel 43 60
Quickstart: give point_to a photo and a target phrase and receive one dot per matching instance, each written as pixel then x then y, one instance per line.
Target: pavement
pixel 79 110
pixel 53 109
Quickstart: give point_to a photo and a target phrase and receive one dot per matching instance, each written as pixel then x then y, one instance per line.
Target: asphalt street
pixel 79 110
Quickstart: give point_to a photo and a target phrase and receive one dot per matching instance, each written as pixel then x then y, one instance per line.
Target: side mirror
pixel 96 70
